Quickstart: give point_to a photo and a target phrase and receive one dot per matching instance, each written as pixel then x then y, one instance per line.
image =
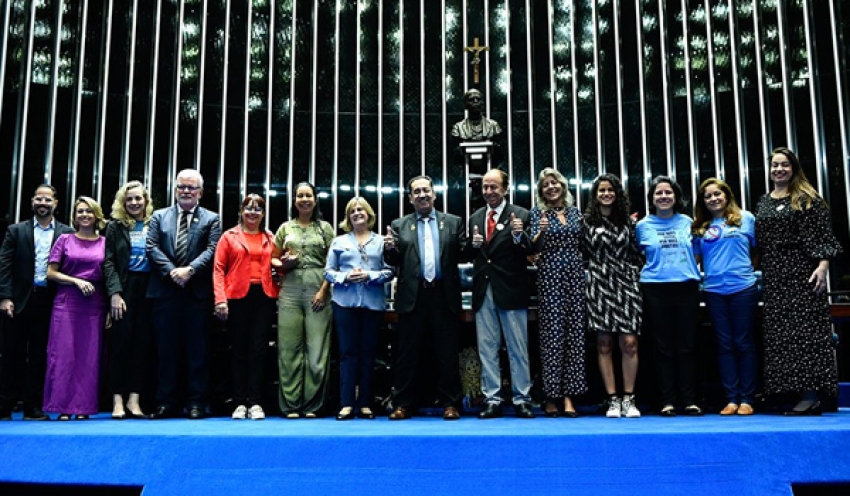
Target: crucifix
pixel 476 50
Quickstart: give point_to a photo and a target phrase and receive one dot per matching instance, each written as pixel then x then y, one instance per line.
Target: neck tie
pixel 180 247
pixel 429 271
pixel 491 224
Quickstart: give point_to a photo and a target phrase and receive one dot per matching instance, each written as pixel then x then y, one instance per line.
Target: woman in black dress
pixel 795 237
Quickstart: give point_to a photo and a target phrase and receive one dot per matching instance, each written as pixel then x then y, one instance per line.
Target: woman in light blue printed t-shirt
pixel 725 237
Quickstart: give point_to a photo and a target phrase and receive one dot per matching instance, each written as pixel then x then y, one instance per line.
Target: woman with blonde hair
pixel 556 227
pixel 724 243
pixel 356 268
pixel 126 271
pixel 79 315
pixel 796 241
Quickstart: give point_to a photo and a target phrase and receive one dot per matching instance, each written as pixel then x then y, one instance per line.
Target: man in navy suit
pixel 500 294
pixel 425 246
pixel 180 246
pixel 26 302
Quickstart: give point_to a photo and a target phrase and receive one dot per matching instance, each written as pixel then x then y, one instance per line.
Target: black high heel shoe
pixel 553 412
pixel 812 410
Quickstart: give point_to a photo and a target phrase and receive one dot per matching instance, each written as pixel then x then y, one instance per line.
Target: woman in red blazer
pixel 245 296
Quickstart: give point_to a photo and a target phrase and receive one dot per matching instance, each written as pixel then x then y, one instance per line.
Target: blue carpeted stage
pixel 759 455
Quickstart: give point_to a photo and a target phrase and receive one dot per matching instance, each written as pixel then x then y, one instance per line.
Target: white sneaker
pixel 239 413
pixel 628 408
pixel 257 413
pixel 613 407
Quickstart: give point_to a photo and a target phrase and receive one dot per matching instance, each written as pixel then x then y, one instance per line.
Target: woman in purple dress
pixel 79 313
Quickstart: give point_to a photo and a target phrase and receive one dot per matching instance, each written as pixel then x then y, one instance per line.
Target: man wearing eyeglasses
pixel 26 302
pixel 181 246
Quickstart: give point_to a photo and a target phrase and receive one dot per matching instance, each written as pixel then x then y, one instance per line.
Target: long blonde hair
pixel 119 210
pixel 800 189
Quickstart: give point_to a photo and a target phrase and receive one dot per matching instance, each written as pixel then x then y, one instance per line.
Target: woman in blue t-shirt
pixel 725 237
pixel 670 285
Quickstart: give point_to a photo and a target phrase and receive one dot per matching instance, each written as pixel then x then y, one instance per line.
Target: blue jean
pixel 733 316
pixel 357 330
pixel 491 322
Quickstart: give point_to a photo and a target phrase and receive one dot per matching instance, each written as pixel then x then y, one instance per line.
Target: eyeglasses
pixel 253 209
pixel 186 187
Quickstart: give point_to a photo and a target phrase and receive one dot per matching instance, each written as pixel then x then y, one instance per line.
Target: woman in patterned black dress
pixel 556 230
pixel 613 294
pixel 796 241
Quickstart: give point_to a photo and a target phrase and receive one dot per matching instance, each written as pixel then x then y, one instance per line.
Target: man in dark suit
pixel 26 302
pixel 500 294
pixel 425 247
pixel 180 246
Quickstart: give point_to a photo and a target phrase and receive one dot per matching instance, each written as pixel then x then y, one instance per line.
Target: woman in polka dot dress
pixel 796 241
pixel 556 230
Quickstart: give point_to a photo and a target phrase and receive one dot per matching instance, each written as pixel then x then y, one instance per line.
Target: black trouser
pixel 25 352
pixel 249 323
pixel 131 339
pixel 431 321
pixel 180 327
pixel 670 310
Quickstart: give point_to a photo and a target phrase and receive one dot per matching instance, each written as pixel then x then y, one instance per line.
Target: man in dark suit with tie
pixel 180 246
pixel 500 292
pixel 26 302
pixel 425 247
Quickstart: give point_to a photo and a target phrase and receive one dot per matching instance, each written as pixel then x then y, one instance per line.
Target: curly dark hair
pixel 620 210
pixel 293 210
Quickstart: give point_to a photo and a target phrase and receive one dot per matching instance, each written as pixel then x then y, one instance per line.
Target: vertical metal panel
pixel 3 52
pixel 841 94
pixel 422 87
pixel 401 181
pixel 766 134
pixel 530 75
pixel 224 104
pixel 621 131
pixel 574 80
pixel 128 96
pixel 379 211
pixel 243 170
pixel 553 90
pixel 665 83
pixel 597 97
pixel 815 102
pixel 740 123
pixel 787 97
pixel 78 103
pixel 357 101
pixel 693 155
pixel 444 121
pixel 642 92
pixel 54 87
pixel 201 78
pixel 716 131
pixel 175 113
pixel 292 53
pixel 270 110
pixel 509 110
pixel 103 101
pixel 335 181
pixel 23 111
pixel 154 92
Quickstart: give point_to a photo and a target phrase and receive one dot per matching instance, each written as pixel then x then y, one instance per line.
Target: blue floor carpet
pixel 759 455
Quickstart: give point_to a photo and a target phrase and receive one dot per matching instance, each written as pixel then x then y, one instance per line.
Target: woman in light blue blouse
pixel 356 268
pixel 670 285
pixel 725 236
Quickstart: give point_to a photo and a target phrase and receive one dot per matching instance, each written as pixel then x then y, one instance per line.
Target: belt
pixel 436 283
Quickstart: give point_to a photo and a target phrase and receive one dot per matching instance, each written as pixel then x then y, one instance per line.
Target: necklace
pixel 558 209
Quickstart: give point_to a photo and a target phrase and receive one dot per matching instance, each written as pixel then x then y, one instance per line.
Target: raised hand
pixel 389 239
pixel 516 225
pixel 477 238
pixel 543 224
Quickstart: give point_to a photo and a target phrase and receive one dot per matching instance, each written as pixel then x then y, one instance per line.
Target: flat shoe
pixel 292 415
pixel 345 414
pixel 64 417
pixel 81 417
pixel 119 416
pixel 731 408
pixel 693 411
pixel 366 413
pixel 668 411
pixel 569 414
pixel 745 409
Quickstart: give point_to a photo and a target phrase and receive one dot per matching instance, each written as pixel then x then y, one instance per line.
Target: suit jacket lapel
pixel 29 238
